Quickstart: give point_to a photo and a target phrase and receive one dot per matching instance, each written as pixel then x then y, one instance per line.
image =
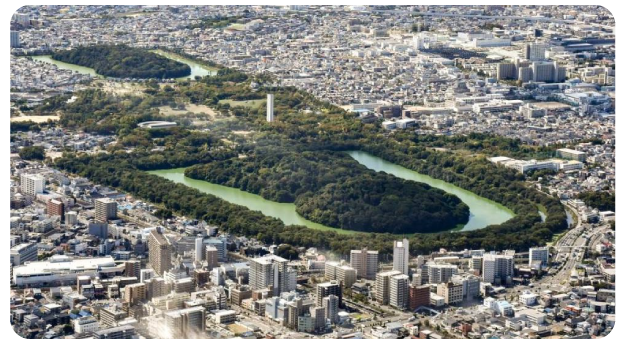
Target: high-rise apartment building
pixel 55 207
pixel 440 273
pixel 106 209
pixel 419 295
pixel 32 184
pixel 538 256
pixel 160 255
pixel 401 256
pixel 326 289
pixel 186 323
pixel 535 51
pixel 383 285
pixel 497 268
pixel 272 271
pixel 365 263
pixel 399 291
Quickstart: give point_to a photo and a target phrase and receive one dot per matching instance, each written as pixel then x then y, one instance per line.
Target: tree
pixel 32 153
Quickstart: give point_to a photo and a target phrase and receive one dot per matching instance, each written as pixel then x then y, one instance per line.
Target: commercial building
pixel 160 252
pixel 401 256
pixel 383 287
pixel 106 209
pixel 58 270
pixel 497 269
pixel 32 184
pixel 538 256
pixel 365 263
pixel 399 291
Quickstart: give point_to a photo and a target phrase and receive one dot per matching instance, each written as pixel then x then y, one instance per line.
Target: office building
pixel 383 286
pixel 418 296
pixel 71 218
pixel 199 249
pixel 331 305
pixel 497 269
pixel 160 252
pixel 100 229
pixel 270 108
pixel 399 291
pixel 211 255
pixel 470 284
pixel 440 273
pixel 538 256
pixel 326 289
pixel 319 318
pixel 365 263
pixel 272 271
pixel 55 207
pixel 24 252
pixel 32 184
pixel 401 256
pixel 186 323
pixel 342 273
pixel 106 209
pixel 15 39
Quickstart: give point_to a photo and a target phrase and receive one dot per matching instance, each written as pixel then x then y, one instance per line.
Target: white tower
pixel 270 108
pixel 401 256
pixel 199 252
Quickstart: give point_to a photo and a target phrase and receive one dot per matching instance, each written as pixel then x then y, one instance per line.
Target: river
pixel 196 68
pixel 483 212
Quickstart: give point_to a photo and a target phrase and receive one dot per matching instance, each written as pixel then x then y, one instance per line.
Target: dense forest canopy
pixel 602 200
pixel 120 61
pixel 304 123
pixel 333 189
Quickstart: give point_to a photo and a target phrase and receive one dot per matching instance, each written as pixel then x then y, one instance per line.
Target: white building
pixel 497 268
pixel 270 108
pixel 399 291
pixel 538 256
pixel 59 270
pixel 32 184
pixel 528 298
pixel 401 256
pixel 86 324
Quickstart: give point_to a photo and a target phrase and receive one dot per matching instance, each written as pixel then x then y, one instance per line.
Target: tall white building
pixel 199 245
pixel 365 263
pixel 401 256
pixel 331 305
pixel 32 184
pixel 15 39
pixel 538 255
pixel 497 268
pixel 399 291
pixel 272 270
pixel 270 108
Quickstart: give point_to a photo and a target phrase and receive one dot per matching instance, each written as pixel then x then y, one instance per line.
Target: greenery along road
pixel 333 189
pixel 120 61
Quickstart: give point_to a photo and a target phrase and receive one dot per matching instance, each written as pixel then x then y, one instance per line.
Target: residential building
pixel 365 263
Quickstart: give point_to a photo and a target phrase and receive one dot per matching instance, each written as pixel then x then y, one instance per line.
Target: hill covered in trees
pixel 120 61
pixel 332 189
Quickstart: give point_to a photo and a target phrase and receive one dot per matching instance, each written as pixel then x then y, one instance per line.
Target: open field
pixel 253 103
pixel 36 119
pixel 189 108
